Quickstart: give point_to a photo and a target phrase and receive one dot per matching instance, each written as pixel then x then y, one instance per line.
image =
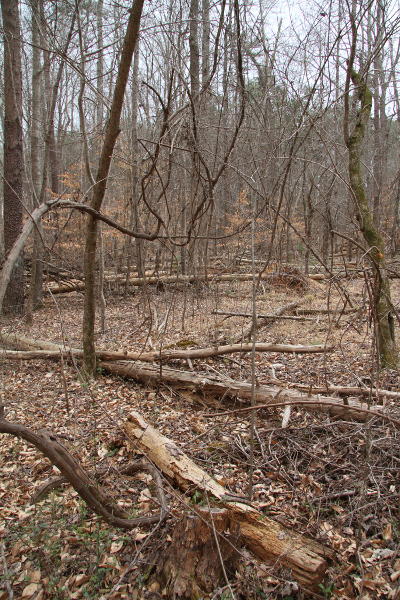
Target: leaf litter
pixel 335 480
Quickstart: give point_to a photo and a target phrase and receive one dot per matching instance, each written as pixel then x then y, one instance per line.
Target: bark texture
pixel 13 151
pixel 382 303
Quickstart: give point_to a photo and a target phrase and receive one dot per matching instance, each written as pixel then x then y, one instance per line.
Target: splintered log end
pixel 137 419
pixel 273 543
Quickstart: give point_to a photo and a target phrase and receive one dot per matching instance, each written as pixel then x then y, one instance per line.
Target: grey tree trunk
pixel 36 286
pixel 13 150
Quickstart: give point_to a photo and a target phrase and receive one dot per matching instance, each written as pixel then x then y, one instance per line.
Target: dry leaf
pixel 34 576
pixel 387 532
pixel 138 536
pixel 116 546
pixel 29 590
pixel 81 579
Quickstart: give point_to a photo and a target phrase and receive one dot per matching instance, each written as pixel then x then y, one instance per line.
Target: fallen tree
pixel 271 316
pixel 269 540
pixel 208 385
pixel 183 279
pixel 55 350
pixel 343 390
pixel 159 374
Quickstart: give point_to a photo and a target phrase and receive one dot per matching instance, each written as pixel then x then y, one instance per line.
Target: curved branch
pixel 94 497
pixel 98 215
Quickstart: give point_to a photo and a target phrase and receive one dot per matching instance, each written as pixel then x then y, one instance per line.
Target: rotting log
pixel 209 385
pixel 269 540
pixel 209 542
pixel 345 390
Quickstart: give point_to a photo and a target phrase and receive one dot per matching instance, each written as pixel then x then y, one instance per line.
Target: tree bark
pixel 36 285
pixel 13 161
pixel 382 304
pixel 17 249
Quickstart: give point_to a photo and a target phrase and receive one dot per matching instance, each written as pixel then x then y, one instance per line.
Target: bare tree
pixel 111 134
pixel 13 150
pixel 381 300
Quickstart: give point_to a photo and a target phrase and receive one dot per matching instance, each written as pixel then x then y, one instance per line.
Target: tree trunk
pixel 13 151
pixel 382 305
pixel 192 565
pixel 111 134
pixel 36 285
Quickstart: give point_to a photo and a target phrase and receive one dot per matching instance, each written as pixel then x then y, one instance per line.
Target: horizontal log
pixel 345 390
pixel 325 311
pixel 209 385
pixel 269 540
pixel 34 349
pixel 170 279
pixel 206 384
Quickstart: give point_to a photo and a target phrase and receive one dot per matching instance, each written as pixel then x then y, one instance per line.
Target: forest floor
pixel 335 480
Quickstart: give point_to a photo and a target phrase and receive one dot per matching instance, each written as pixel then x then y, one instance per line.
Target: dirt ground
pixel 335 480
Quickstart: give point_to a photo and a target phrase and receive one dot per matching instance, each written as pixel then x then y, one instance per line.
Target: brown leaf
pixel 29 590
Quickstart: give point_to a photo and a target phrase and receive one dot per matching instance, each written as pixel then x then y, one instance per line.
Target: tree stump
pixel 193 564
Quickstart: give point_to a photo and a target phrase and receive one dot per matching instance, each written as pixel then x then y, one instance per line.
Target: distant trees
pixel 223 109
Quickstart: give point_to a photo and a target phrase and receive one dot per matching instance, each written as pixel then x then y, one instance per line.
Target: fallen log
pixel 209 385
pixel 261 316
pixel 325 311
pixel 267 539
pixel 11 340
pixel 345 390
pixel 163 355
pixel 204 384
pixel 247 409
pixel 171 279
